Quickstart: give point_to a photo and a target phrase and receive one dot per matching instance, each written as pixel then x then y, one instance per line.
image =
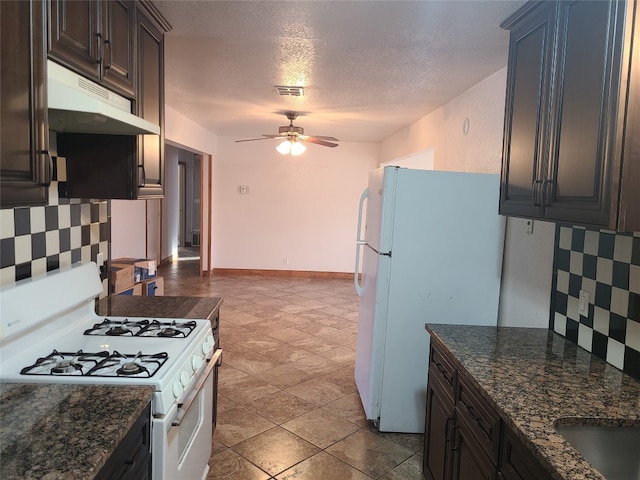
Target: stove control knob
pixel 196 362
pixel 184 378
pixel 206 347
pixel 177 389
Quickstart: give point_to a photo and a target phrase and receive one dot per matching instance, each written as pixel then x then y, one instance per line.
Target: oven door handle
pixel 184 407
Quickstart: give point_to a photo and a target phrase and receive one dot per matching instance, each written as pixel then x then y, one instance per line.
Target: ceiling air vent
pixel 289 90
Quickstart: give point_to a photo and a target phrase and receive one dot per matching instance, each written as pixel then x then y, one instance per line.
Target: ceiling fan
pixel 292 137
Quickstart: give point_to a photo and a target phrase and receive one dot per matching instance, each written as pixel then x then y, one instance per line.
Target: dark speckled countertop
pixel 159 307
pixel 53 432
pixel 536 379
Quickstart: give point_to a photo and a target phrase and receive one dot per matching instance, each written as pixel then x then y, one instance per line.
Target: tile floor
pixel 288 404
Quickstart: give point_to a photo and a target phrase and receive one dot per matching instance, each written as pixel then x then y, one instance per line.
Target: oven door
pixel 182 442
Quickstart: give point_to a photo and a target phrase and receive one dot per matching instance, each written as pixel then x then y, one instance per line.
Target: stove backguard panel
pixel 31 301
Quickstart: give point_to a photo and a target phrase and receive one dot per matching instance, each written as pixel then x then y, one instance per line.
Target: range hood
pixel 78 105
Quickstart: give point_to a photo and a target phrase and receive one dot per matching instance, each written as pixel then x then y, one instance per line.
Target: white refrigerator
pixel 430 251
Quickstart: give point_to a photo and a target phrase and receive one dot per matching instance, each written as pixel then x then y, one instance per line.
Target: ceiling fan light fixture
pixel 291 147
pixel 284 147
pixel 297 148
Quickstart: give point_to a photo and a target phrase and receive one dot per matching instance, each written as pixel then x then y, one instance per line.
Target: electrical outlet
pixel 243 189
pixel 530 227
pixel 285 261
pixel 583 303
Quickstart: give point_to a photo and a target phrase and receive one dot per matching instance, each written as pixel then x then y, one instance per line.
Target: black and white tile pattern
pixel 35 240
pixel 607 266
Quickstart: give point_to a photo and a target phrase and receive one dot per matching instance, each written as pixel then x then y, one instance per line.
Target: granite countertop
pixel 44 432
pixel 159 307
pixel 536 379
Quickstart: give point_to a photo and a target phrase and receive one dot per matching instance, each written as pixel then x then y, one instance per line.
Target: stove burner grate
pixel 115 328
pixel 142 328
pixel 57 363
pixel 101 364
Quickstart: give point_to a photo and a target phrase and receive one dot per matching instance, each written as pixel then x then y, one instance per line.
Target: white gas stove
pixel 50 333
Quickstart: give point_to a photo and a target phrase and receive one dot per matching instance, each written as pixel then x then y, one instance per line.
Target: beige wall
pixel 300 213
pixel 479 150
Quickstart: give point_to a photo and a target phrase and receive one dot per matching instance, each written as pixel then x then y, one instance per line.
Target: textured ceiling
pixel 369 68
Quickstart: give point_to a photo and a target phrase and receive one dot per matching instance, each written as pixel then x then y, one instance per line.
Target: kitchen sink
pixel 613 451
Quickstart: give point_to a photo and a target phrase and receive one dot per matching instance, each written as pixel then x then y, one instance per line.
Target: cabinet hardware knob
pixel 547 192
pixel 535 195
pixel 142 179
pixel 99 48
pixel 46 174
pixel 107 64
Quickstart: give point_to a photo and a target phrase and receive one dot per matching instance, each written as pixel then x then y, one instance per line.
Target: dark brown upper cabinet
pixel 568 153
pixel 25 164
pixel 120 166
pixel 95 38
pixel 150 104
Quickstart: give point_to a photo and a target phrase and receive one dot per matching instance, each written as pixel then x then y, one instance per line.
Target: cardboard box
pixel 136 289
pixel 121 277
pixel 153 287
pixel 144 267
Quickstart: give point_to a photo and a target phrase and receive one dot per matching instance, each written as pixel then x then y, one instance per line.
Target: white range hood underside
pixel 78 105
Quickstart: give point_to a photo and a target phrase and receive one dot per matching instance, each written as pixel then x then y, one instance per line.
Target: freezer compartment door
pixel 381 205
pixel 372 323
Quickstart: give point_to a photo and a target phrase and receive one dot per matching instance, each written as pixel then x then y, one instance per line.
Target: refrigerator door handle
pixel 359 243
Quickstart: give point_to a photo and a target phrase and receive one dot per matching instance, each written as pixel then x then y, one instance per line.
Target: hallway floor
pixel 288 405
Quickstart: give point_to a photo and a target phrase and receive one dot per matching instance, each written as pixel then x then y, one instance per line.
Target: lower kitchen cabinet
pixel 465 438
pixel 436 461
pixel 132 458
pixel 469 459
pixel 516 462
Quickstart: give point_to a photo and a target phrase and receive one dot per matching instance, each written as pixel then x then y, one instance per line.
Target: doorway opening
pixel 188 212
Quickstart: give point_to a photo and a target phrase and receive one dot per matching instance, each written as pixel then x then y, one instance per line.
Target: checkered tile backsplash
pixel 606 266
pixel 35 240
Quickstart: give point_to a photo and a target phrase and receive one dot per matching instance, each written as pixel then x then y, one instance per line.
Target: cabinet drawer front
pixel 440 366
pixel 484 422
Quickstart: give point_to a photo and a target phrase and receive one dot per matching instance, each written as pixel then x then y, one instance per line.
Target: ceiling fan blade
pixel 252 139
pixel 264 137
pixel 330 139
pixel 317 141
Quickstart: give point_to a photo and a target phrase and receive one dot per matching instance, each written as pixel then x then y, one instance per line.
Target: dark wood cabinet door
pixel 526 112
pixel 438 426
pixel 96 39
pixel 150 106
pixel 629 211
pixel 119 34
pixel 517 462
pixel 74 35
pixel 580 181
pixel 25 168
pixel 132 458
pixel 470 462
